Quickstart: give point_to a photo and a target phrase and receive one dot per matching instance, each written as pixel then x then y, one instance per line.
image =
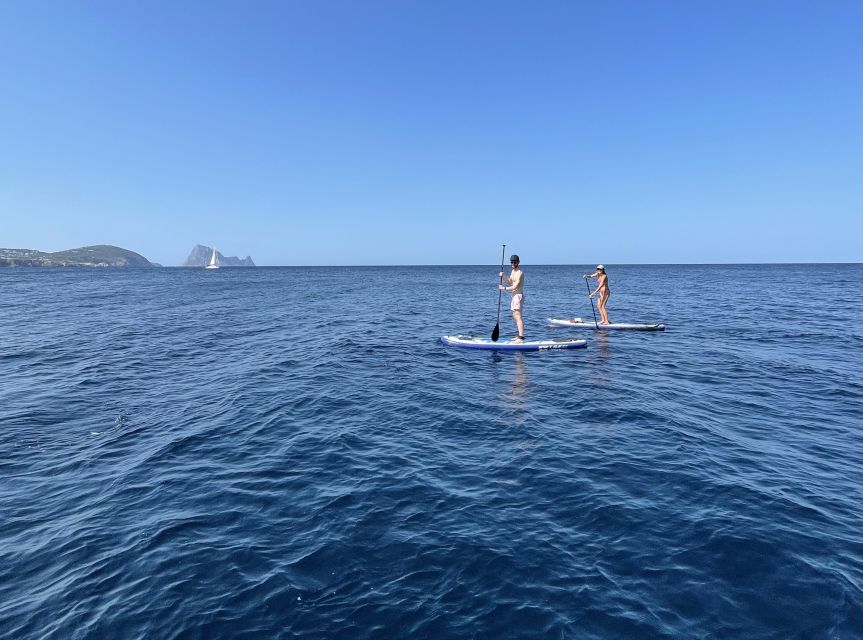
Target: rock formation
pixel 200 257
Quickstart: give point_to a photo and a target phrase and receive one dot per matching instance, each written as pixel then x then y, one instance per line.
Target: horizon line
pixel 539 264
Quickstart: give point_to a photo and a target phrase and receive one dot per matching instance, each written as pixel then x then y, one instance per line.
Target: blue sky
pixel 408 132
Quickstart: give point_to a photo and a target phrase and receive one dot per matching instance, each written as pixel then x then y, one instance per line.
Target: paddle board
pixel 578 323
pixel 506 345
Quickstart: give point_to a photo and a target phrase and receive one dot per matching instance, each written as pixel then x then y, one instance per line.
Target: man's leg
pixel 518 323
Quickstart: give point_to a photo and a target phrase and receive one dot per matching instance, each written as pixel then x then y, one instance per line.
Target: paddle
pixel 495 334
pixel 587 284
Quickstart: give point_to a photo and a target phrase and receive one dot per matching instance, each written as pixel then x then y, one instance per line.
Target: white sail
pixel 213 264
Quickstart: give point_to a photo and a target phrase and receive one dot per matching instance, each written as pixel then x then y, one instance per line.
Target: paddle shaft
pixel 495 334
pixel 587 284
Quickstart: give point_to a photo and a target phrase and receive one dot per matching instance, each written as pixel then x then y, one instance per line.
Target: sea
pixel 292 453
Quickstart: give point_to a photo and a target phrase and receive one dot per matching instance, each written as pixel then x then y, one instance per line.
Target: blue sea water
pixel 291 453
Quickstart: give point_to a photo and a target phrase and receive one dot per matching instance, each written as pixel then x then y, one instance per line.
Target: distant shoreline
pixel 101 256
pixel 19 264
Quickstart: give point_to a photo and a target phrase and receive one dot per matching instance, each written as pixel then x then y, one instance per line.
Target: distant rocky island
pixel 200 257
pixel 100 255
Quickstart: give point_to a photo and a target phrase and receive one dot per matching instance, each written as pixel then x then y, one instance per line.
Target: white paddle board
pixel 578 323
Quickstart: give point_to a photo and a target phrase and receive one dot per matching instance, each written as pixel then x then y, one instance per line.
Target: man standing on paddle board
pixel 515 280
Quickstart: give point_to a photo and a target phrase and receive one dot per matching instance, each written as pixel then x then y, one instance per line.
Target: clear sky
pixel 328 132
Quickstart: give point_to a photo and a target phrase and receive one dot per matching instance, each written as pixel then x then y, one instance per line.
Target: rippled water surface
pixel 291 453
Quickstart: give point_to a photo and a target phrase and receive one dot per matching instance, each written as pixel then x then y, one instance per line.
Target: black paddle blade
pixel 495 334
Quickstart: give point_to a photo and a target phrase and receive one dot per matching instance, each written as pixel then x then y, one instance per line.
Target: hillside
pixel 102 255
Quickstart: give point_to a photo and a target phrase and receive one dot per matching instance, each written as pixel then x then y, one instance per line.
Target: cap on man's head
pixel 599 267
pixel 514 258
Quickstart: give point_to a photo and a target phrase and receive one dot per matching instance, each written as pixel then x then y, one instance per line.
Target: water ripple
pixel 275 453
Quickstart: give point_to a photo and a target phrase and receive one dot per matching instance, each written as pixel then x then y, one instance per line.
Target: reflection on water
pixel 514 368
pixel 599 373
pixel 519 378
pixel 601 343
pixel 516 397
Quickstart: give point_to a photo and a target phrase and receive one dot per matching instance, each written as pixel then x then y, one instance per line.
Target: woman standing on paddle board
pixel 515 280
pixel 603 291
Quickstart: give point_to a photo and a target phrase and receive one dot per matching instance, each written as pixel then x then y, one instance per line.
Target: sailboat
pixel 213 264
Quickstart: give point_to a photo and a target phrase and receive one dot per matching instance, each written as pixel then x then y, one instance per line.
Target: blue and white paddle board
pixel 471 342
pixel 578 323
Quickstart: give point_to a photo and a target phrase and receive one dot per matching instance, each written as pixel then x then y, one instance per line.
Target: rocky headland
pixel 100 255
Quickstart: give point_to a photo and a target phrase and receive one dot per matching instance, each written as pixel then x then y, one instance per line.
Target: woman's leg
pixel 603 300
